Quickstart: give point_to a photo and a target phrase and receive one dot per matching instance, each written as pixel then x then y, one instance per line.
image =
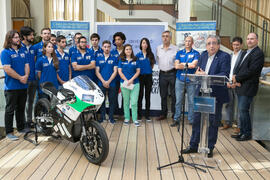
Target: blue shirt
pixel 145 63
pixel 72 50
pixel 129 69
pixel 38 49
pixel 92 51
pixel 17 61
pixel 116 54
pixel 106 67
pixel 184 57
pixel 83 60
pixel 64 64
pixel 30 56
pixel 48 71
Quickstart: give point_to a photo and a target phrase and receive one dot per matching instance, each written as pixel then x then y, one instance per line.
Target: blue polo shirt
pixel 38 49
pixel 145 63
pixel 30 56
pixel 17 61
pixel 48 71
pixel 115 53
pixel 83 60
pixel 184 57
pixel 94 52
pixel 72 50
pixel 106 67
pixel 64 64
pixel 129 69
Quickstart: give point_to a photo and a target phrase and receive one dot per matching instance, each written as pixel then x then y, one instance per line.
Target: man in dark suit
pixel 246 79
pixel 211 62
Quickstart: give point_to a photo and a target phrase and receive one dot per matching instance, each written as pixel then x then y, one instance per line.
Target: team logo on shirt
pixel 182 55
pixel 14 55
pixel 22 55
pixel 45 64
pixel 99 55
pixel 39 50
pixel 79 58
pixel 191 56
pixel 32 51
pixel 66 58
pixel 141 58
pixel 88 57
pixel 133 63
pixel 110 62
pixel 101 62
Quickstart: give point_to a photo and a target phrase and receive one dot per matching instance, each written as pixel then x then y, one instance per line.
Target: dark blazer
pixel 220 66
pixel 248 72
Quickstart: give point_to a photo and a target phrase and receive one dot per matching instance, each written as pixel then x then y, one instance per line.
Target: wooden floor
pixel 134 153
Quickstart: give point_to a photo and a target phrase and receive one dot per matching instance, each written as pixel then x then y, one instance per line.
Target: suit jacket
pixel 221 66
pixel 248 72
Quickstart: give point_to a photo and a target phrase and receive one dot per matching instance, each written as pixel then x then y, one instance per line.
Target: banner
pixel 69 29
pixel 134 32
pixel 199 30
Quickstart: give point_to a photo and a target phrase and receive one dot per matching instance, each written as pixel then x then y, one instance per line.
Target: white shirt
pixel 209 62
pixel 233 61
pixel 248 51
pixel 165 58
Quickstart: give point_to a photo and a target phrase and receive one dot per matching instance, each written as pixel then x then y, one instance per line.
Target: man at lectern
pixel 213 61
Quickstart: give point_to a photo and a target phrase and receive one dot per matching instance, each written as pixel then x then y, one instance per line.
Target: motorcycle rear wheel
pixel 95 145
pixel 41 112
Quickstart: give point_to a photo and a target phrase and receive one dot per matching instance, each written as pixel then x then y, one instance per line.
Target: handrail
pixel 225 7
pixel 242 5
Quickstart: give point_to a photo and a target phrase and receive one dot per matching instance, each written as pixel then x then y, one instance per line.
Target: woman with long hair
pixel 46 66
pixel 129 70
pixel 147 61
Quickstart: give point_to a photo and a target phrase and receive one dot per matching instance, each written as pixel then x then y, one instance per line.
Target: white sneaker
pixel 136 123
pixel 126 122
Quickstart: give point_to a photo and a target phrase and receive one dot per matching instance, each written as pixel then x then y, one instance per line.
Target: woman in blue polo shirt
pixel 16 69
pixel 147 61
pixel 47 66
pixel 129 70
pixel 106 71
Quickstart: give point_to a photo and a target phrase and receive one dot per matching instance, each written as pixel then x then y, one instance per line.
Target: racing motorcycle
pixel 70 113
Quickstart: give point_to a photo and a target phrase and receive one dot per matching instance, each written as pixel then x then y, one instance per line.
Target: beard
pixel 30 40
pixel 82 48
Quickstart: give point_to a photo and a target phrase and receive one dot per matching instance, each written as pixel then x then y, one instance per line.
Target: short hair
pixel 82 37
pixel 77 33
pixel 215 37
pixel 189 37
pixel 8 39
pixel 44 29
pixel 237 39
pixel 59 38
pixel 106 42
pixel 94 35
pixel 167 31
pixel 26 31
pixel 119 34
pixel 53 35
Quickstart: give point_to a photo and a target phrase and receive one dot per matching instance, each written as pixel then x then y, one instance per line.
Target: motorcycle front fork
pixel 85 115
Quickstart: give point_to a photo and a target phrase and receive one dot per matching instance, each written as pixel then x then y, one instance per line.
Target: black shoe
pixel 243 138
pixel 236 135
pixel 174 124
pixel 190 150
pixel 210 154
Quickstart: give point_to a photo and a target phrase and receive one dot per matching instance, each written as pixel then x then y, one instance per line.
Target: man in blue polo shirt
pixel 16 69
pixel 64 73
pixel 94 38
pixel 186 58
pixel 27 34
pixel 106 71
pixel 119 40
pixel 45 35
pixel 82 61
pixel 74 48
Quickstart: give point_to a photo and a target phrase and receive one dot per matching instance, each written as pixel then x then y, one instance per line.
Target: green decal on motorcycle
pixel 80 105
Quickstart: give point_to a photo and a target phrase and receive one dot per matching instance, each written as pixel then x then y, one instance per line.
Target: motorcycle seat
pixel 49 87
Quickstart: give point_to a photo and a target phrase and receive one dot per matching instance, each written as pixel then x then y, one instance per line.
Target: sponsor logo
pixel 45 64
pixel 66 58
pixel 14 55
pixel 32 51
pixel 88 57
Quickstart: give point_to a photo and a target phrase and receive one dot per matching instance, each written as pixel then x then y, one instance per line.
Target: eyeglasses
pixel 83 42
pixel 16 37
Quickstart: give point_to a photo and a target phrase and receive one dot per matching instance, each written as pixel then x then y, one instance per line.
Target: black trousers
pixel 145 86
pixel 167 80
pixel 15 102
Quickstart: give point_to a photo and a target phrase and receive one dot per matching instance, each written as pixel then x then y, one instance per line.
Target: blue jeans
pixel 179 89
pixel 244 103
pixel 111 94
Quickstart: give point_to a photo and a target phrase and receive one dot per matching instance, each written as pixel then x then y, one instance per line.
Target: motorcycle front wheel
pixel 95 145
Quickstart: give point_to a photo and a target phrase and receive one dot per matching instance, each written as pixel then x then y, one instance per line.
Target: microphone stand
pixel 180 157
